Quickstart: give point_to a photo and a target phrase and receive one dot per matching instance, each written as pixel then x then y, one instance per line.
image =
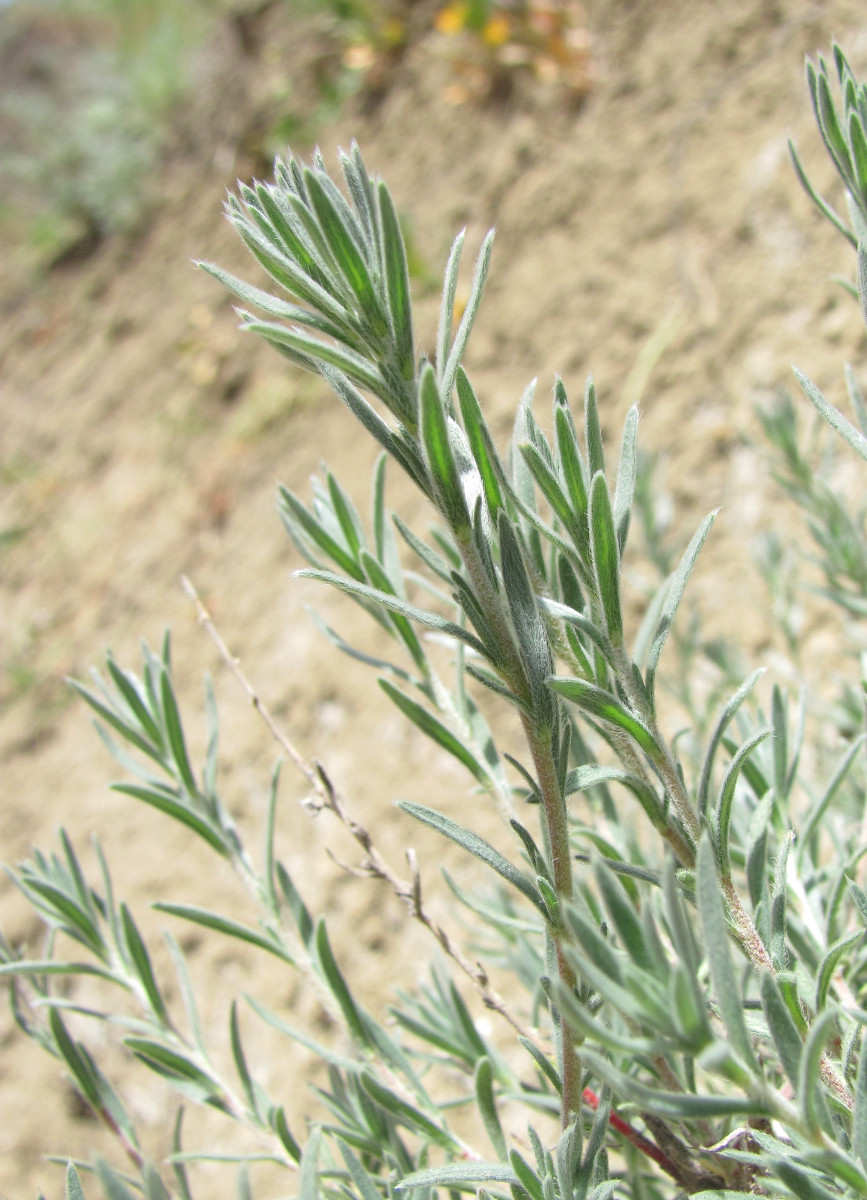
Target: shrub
pixel 686 972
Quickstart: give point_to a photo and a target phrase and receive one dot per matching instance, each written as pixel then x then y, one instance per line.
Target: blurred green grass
pixel 87 95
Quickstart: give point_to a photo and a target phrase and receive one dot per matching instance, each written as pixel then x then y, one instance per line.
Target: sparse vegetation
pixel 685 951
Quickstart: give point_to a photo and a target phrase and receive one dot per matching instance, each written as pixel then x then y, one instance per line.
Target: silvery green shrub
pixel 687 964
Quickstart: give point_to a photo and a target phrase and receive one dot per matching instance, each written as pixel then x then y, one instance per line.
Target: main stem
pixel 539 741
pixel 557 829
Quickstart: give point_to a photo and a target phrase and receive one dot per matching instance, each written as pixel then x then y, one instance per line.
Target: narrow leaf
pixel 141 962
pixel 459 1175
pixel 601 704
pixel 487 1105
pixel 433 728
pixel 442 467
pixel 179 810
pixel 175 733
pixel 627 467
pixel 783 1029
pixel 395 604
pixel 397 284
pixel 828 966
pixel 731 707
pixel 405 1113
pixel 606 557
pixel 832 415
pixel 476 846
pixel 459 345
pixel 224 925
pixel 718 952
pixel 722 821
pixel 675 595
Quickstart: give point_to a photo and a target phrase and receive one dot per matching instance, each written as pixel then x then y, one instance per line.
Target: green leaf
pixel 459 345
pixel 803 1183
pixel 308 1174
pixel 675 594
pixel 731 707
pixel 309 352
pixel 126 685
pixel 120 725
pixel 722 821
pixel 240 1060
pixel 113 1187
pixel 224 925
pixel 345 249
pixel 76 1058
pixel 318 1050
pixel 180 811
pixel 817 812
pixel 182 1071
pixel 830 127
pixel 66 912
pixel 627 468
pixel 481 443
pixel 333 976
pixel 718 953
pixel 592 431
pixel 175 733
pixel 433 728
pixel 406 1114
pixel 277 1121
pixel 395 604
pixel 378 578
pixel 828 966
pixel 527 1177
pixel 606 557
pixel 364 1183
pixel 858 144
pixel 676 1105
pixel 74 1190
pixel 447 305
pixel 549 485
pixel 583 778
pixel 478 847
pixel 27 967
pixel 832 415
pixel 783 1029
pixel 397 284
pixel 564 612
pixel 595 1144
pixel 286 272
pixel 601 704
pixel 300 912
pixel 809 1088
pixel 138 953
pixel 439 455
pixel 543 1063
pixel 487 1105
pixel 574 475
pixel 624 917
pixel 757 847
pixel 459 1175
pixel 529 626
pixel 272 306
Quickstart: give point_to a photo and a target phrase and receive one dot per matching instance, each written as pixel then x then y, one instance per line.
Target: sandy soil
pixel 141 437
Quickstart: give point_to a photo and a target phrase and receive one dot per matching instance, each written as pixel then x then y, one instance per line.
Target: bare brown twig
pixel 373 865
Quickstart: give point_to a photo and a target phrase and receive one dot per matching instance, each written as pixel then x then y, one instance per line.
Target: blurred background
pixel 651 231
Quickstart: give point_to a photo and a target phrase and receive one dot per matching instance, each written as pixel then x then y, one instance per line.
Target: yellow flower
pixel 451 19
pixel 496 30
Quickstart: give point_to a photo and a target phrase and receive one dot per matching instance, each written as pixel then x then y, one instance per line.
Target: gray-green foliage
pixel 684 934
